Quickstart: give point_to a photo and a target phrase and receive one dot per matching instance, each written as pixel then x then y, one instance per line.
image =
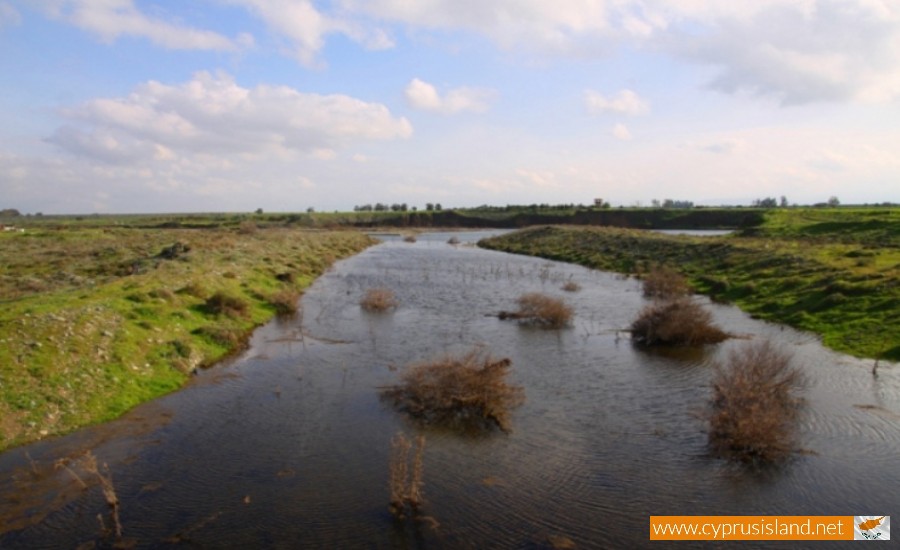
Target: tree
pixel 784 202
pixel 429 207
pixel 768 202
pixel 259 211
pixel 833 201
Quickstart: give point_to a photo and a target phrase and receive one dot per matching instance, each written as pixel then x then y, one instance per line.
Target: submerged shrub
pixel 571 286
pixel 544 310
pixel 754 405
pixel 681 321
pixel 666 283
pixel 378 299
pixel 467 391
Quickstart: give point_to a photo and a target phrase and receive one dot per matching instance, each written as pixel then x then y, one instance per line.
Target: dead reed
pixel 467 392
pixel 405 482
pixel 754 405
pixel 664 282
pixel 681 321
pixel 378 299
pixel 542 310
pixel 109 492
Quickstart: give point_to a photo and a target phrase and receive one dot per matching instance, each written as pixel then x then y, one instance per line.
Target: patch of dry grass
pixel 754 405
pixel 286 301
pixel 681 321
pixel 222 303
pixel 378 299
pixel 664 282
pixel 467 391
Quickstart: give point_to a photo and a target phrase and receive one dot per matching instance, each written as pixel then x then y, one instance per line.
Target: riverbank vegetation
pixel 834 272
pixel 95 320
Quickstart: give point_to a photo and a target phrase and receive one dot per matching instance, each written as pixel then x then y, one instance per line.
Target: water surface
pixel 288 444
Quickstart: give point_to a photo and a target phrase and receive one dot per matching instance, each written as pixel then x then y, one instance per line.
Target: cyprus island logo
pixel 871 527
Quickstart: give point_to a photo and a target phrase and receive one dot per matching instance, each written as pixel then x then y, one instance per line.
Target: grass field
pixel 97 318
pixel 835 272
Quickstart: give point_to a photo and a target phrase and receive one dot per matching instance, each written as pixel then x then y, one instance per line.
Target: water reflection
pixel 288 444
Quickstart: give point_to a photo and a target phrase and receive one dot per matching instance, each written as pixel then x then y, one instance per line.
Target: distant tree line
pixel 671 203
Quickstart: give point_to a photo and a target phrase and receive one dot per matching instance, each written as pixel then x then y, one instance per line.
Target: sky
pixel 134 106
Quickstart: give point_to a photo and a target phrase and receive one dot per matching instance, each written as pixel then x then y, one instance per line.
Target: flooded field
pixel 287 445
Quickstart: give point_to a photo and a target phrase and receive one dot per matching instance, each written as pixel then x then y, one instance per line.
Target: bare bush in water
pixel 467 391
pixel 571 286
pixel 754 405
pixel 681 321
pixel 378 299
pixel 542 310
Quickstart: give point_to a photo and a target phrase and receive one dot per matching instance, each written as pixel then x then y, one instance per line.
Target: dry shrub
pixel 247 227
pixel 409 239
pixel 222 303
pixel 666 283
pixel 571 286
pixel 453 240
pixel 406 485
pixel 378 299
pixel 676 322
pixel 468 391
pixel 285 301
pixel 754 405
pixel 541 309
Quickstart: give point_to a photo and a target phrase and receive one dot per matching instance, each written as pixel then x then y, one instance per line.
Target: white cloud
pixel 9 15
pixel 425 96
pixel 307 27
pixel 110 19
pixel 799 51
pixel 213 115
pixel 725 146
pixel 621 132
pixel 624 102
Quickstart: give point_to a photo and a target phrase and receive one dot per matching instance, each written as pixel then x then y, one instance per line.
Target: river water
pixel 287 445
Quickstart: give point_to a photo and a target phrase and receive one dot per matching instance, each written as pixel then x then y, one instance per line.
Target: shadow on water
pixel 288 444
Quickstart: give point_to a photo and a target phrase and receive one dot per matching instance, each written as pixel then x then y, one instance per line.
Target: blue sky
pixel 232 105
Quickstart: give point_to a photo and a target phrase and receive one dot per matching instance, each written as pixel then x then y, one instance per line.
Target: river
pixel 287 444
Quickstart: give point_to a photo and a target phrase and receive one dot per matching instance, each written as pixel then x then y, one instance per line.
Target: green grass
pixel 841 284
pixel 94 322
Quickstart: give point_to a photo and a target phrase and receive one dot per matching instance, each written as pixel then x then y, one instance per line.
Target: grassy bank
pixel 95 320
pixel 833 272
